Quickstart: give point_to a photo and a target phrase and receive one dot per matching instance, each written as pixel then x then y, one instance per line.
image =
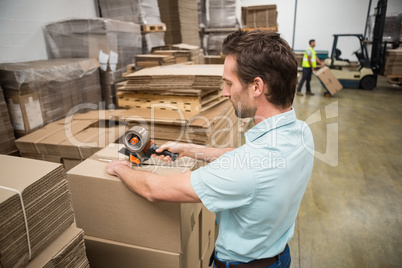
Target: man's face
pixel 313 44
pixel 241 98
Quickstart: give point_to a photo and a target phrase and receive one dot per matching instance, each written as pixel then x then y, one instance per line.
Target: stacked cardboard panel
pixel 180 56
pixel 215 127
pixel 71 140
pixel 393 65
pixel 214 59
pixel 35 210
pixel 7 145
pixel 196 54
pixel 181 19
pixel 260 16
pixel 152 60
pixel 40 92
pixel 186 88
pixel 132 232
pixel 68 250
pixel 114 43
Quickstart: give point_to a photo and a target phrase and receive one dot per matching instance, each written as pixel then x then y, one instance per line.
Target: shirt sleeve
pixel 308 52
pixel 226 183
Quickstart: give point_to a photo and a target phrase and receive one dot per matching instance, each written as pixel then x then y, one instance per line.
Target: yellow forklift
pixel 364 74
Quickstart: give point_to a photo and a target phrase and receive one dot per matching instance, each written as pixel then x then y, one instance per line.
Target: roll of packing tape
pixel 135 139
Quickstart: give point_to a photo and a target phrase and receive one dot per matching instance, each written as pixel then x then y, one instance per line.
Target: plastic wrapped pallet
pixel 40 92
pixel 35 208
pixel 108 79
pixel 219 13
pixel 137 11
pixel 213 42
pixel 7 145
pixel 392 29
pixel 119 41
pixel 151 40
pixel 124 10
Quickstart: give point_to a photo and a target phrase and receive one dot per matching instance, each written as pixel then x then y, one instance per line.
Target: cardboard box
pixel 106 208
pixel 328 80
pixel 25 112
pixel 106 253
pixel 207 234
pixel 67 250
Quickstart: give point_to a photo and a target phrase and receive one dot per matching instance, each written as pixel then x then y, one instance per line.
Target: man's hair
pixel 311 41
pixel 264 54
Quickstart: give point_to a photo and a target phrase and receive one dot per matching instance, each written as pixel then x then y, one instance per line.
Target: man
pixel 256 189
pixel 309 63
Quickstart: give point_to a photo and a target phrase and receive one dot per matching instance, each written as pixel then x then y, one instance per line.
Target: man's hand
pixel 174 147
pixel 113 166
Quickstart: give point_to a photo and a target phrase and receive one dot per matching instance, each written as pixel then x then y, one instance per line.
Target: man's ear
pixel 258 86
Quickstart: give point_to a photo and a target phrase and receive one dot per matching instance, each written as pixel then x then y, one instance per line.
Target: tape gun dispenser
pixel 139 147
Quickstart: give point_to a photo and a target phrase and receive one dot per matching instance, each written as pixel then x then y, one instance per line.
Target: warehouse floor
pixel 351 213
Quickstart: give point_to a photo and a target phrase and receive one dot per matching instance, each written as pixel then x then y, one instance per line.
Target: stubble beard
pixel 242 111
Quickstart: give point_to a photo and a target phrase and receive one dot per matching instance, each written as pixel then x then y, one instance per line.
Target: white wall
pixel 320 19
pixel 21 23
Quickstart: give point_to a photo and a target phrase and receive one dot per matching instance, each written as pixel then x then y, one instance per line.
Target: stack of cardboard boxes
pixel 7 145
pixel 393 65
pixel 40 92
pixel 37 226
pixel 71 140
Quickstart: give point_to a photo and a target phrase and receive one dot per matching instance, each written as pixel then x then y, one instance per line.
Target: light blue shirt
pixel 256 189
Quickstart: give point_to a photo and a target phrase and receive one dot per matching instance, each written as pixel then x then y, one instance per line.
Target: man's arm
pixel 171 188
pixel 195 151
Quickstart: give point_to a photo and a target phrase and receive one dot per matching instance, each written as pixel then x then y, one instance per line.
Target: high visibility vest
pixel 305 63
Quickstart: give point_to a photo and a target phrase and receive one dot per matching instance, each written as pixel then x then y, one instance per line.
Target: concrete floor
pixel 351 213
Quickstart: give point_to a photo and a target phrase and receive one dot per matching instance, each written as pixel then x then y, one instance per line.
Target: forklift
pixel 365 74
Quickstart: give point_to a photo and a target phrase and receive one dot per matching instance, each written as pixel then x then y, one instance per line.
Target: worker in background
pixel 309 63
pixel 256 189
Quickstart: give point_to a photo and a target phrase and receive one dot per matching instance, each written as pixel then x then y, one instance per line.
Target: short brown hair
pixel 264 54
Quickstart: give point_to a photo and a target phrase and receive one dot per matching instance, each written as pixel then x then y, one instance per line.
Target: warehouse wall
pixel 320 19
pixel 21 23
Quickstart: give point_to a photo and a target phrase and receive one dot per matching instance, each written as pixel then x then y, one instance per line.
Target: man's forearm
pixel 135 180
pixel 171 188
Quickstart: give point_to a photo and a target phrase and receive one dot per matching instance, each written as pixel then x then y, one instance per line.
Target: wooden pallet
pixel 192 105
pixel 152 28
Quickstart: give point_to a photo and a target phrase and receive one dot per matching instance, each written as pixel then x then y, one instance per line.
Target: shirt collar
pixel 269 124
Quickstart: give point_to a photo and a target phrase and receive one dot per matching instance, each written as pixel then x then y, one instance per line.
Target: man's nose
pixel 225 92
